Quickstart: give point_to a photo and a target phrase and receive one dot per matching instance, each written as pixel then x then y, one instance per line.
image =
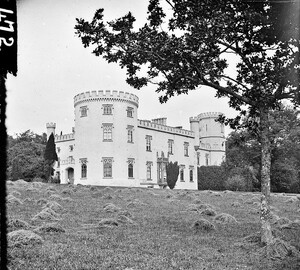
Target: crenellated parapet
pixel 208 115
pixel 106 95
pixel 51 125
pixel 163 128
pixel 64 137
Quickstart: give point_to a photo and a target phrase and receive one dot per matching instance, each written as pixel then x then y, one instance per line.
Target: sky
pixel 53 66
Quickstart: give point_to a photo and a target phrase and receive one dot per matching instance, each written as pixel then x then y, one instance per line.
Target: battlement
pixel 64 137
pixel 51 125
pixel 164 128
pixel 209 115
pixel 105 96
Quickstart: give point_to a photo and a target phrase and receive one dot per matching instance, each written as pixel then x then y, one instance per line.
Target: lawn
pixel 82 227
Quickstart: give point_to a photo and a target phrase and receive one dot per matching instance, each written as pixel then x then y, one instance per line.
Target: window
pixel 71 148
pixel 58 149
pixel 107 167
pixel 83 170
pixel 107 170
pixel 83 162
pixel 107 109
pixel 198 158
pixel 130 134
pixel 170 146
pixel 186 149
pixel 191 168
pixel 148 143
pixel 130 170
pixel 83 111
pixel 181 175
pixel 58 162
pixel 107 132
pixel 206 159
pixel 129 112
pixel 222 128
pixel 149 164
pixel 130 162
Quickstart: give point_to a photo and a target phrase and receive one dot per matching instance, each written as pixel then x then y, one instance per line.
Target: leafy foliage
pixel 172 174
pixel 25 156
pixel 211 177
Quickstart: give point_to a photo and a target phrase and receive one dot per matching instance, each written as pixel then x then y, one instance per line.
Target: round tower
pixel 106 138
pixel 50 129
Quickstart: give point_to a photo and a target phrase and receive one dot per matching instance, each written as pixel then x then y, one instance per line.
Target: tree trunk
pixel 266 233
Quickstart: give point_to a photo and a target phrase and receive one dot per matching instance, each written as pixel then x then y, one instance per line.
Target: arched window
pixel 107 169
pixel 83 170
pixel 130 170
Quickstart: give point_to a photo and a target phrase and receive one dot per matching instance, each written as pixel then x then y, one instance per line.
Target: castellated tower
pixel 106 136
pixel 50 129
pixel 209 136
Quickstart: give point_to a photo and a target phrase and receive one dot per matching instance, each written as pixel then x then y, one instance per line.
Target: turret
pixel 50 129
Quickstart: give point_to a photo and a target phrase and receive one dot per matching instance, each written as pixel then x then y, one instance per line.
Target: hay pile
pixel 13 200
pixel 47 214
pixel 236 204
pixel 224 218
pixel 15 193
pixel 23 237
pixel 41 201
pixel 50 228
pixel 203 225
pixel 208 212
pixel 67 191
pixel 108 197
pixel 55 206
pixel 108 189
pixel 292 199
pixel 108 222
pixel 111 208
pixel 14 224
pixel 125 220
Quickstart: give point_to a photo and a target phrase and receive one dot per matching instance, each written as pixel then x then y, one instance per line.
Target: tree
pixel 189 50
pixel 50 156
pixel 172 174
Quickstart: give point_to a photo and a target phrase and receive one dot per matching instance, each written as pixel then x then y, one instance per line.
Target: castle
pixel 110 146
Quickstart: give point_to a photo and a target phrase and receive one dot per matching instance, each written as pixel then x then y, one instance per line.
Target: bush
pixel 172 174
pixel 211 177
pixel 236 183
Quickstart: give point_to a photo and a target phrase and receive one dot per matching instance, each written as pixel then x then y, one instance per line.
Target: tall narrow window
pixel 186 149
pixel 107 132
pixel 130 170
pixel 148 143
pixel 149 165
pixel 130 134
pixel 130 162
pixel 198 158
pixel 107 109
pixel 181 172
pixel 191 169
pixel 170 146
pixel 129 112
pixel 83 111
pixel 107 167
pixel 83 170
pixel 207 159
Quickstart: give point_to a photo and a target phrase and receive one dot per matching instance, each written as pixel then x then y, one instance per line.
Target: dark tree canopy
pixel 172 174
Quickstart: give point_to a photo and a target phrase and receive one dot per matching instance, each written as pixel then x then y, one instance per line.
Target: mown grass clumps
pixel 208 212
pixel 16 223
pixel 13 200
pixel 108 222
pixel 23 237
pixel 203 225
pixel 236 204
pixel 47 214
pixel 50 228
pixel 224 218
pixel 111 208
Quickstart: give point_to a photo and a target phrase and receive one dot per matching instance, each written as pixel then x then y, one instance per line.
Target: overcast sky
pixel 53 67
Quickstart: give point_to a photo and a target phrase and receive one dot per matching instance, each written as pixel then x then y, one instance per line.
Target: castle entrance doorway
pixel 162 170
pixel 70 174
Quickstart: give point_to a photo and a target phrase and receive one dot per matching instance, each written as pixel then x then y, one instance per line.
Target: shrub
pixel 172 174
pixel 211 177
pixel 236 183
